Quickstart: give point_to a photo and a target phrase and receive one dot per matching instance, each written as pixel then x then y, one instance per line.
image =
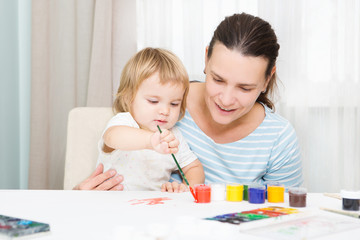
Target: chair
pixel 85 126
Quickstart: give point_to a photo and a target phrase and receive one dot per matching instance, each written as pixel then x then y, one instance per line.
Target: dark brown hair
pixel 251 36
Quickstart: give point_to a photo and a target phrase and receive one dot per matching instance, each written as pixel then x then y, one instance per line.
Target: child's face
pixel 157 104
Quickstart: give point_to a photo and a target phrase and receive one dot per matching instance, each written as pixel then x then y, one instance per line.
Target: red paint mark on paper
pixel 149 201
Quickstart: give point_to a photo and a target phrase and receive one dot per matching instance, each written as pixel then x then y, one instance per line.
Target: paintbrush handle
pixel 181 172
pixel 333 195
pixel 350 214
pixel 177 164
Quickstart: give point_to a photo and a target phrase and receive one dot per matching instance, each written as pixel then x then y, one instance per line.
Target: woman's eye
pixel 246 89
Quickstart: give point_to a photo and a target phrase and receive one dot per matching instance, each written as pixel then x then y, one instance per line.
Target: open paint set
pixel 253 193
pixel 273 192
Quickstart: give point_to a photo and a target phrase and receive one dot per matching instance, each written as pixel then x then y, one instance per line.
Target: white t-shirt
pixel 143 169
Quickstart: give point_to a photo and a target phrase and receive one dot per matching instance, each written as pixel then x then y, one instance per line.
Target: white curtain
pixel 318 66
pixel 78 51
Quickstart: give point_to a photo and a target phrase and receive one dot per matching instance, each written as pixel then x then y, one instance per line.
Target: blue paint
pixel 256 194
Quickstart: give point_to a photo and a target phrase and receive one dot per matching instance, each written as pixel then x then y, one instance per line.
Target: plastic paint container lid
pixel 234 187
pixel 202 187
pixel 297 190
pixel 350 194
pixel 220 186
pixel 257 186
pixel 272 183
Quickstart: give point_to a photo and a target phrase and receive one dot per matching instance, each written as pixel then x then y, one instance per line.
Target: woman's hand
pixel 173 187
pixel 101 181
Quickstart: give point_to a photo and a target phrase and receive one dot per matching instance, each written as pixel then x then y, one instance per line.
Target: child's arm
pixel 129 138
pixel 194 173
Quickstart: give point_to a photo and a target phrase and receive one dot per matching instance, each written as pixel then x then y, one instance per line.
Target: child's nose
pixel 164 110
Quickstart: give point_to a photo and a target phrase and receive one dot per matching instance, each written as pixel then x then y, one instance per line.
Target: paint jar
pixel 297 196
pixel 217 192
pixel 256 193
pixel 245 194
pixel 275 193
pixel 268 183
pixel 234 192
pixel 203 193
pixel 350 200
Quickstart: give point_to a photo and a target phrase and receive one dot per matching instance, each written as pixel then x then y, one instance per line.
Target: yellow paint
pixel 275 194
pixel 234 192
pixel 282 209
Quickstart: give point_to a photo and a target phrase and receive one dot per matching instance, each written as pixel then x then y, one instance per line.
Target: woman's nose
pixel 227 97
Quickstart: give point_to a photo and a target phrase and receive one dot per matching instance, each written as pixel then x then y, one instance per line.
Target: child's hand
pixel 173 187
pixel 164 142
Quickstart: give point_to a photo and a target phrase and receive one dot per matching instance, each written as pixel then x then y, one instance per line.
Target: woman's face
pixel 233 83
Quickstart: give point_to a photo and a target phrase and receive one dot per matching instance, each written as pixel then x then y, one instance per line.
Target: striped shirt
pixel 270 153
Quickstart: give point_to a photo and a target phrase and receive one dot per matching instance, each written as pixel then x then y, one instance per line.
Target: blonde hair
pixel 144 64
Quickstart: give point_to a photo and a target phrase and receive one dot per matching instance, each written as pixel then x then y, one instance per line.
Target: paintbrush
pixel 181 172
pixel 350 214
pixel 333 195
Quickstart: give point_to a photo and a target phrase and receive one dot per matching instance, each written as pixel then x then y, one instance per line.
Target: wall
pixel 14 92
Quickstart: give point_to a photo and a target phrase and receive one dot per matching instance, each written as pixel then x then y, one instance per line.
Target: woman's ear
pixel 206 58
pixel 273 70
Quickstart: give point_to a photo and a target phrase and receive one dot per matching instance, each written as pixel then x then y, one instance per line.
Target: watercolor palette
pixel 16 227
pixel 253 215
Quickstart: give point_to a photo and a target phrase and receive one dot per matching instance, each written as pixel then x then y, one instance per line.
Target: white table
pixel 112 215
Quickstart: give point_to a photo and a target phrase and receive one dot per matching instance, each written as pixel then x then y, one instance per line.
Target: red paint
pixel 5 226
pixel 193 193
pixel 203 193
pixel 149 201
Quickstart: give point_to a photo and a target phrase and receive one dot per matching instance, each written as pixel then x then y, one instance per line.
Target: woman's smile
pixel 225 109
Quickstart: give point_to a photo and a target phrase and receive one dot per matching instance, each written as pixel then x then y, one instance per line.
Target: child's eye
pixel 152 101
pixel 175 104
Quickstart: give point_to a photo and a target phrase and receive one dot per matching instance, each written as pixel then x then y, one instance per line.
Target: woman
pixel 229 122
